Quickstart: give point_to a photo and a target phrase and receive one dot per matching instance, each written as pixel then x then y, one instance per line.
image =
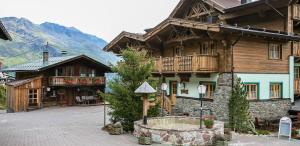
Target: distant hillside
pixel 29 40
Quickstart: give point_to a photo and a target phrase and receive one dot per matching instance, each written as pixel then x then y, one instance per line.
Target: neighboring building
pixel 50 81
pixel 207 41
pixel 5 36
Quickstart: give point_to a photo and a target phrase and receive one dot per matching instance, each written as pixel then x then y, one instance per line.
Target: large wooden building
pixel 210 41
pixel 66 80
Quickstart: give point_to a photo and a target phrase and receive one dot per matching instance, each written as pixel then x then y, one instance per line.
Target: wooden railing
pixel 193 63
pixel 296 12
pixel 296 86
pixel 75 81
pixel 169 103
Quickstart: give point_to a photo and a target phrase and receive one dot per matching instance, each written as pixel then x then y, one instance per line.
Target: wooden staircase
pixel 169 103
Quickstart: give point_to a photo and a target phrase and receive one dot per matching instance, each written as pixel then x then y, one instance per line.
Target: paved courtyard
pixel 81 126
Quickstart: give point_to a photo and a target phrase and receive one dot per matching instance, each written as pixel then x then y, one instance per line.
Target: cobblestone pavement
pixel 81 126
pixel 59 126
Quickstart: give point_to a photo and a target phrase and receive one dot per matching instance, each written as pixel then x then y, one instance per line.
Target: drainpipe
pixel 232 62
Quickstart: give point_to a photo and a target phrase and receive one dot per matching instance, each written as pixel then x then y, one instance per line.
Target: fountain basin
pixel 177 130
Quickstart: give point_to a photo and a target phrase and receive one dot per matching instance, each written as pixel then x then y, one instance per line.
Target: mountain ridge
pixel 29 40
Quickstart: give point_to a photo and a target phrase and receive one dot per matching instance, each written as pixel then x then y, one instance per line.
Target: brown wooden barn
pixel 65 81
pixel 25 93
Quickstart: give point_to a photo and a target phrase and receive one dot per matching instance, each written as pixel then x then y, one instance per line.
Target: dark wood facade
pixel 59 84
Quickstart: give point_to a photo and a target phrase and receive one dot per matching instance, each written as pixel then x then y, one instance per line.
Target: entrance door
pixel 173 88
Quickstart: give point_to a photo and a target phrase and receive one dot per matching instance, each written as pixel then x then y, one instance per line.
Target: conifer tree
pixel 239 115
pixel 133 70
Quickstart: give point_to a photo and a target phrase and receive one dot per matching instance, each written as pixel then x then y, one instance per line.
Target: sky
pixel 103 18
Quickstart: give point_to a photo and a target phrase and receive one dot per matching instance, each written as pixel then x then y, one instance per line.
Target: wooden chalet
pixel 211 41
pixel 66 80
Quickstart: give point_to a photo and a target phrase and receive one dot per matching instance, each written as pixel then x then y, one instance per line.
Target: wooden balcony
pixel 76 81
pixel 296 86
pixel 187 64
pixel 296 12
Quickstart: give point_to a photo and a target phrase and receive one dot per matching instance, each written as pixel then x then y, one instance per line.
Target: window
pixel 207 48
pixel 275 51
pixel 210 88
pixel 252 91
pixel 275 90
pixel 297 72
pixel 32 96
pixel 178 51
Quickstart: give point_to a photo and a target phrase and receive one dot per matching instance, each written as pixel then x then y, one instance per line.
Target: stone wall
pixel 221 97
pixel 191 106
pixel 169 131
pixel 270 109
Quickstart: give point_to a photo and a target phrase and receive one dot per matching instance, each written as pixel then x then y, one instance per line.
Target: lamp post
pixel 202 91
pixel 164 87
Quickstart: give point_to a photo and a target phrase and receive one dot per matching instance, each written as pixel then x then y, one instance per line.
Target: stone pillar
pixel 221 97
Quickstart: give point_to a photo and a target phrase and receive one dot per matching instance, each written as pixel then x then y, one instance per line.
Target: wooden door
pixel 173 88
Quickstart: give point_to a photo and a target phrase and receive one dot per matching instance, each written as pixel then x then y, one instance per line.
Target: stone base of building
pixel 262 109
pixel 191 106
pixel 270 109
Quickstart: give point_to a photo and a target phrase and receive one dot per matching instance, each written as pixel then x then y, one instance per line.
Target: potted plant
pixel 115 129
pixel 145 138
pixel 209 123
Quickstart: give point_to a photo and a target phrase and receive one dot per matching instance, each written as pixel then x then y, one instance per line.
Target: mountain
pixel 29 41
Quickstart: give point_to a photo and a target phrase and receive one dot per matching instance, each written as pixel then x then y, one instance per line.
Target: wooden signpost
pixel 145 89
pixel 285 127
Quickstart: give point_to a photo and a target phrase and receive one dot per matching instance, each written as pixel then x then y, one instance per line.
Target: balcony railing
pixel 296 12
pixel 76 81
pixel 296 86
pixel 185 64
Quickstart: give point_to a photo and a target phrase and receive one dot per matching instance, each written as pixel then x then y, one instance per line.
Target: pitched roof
pixel 39 65
pixel 122 35
pixel 220 5
pixel 208 27
pixel 22 82
pixel 3 33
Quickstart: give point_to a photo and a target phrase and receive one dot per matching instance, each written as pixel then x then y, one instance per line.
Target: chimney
pixel 45 54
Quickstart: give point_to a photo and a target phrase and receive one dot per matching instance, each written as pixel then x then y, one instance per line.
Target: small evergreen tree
pixel 239 115
pixel 133 70
pixel 2 97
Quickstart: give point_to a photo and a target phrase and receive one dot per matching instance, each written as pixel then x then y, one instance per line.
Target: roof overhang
pixel 4 33
pixel 121 36
pixel 57 64
pixel 210 28
pixel 259 32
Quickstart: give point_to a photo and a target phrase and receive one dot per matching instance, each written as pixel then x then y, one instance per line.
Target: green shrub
pixel 133 70
pixel 2 97
pixel 262 132
pixel 208 123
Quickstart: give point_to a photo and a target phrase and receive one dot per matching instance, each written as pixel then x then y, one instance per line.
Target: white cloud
pixel 104 18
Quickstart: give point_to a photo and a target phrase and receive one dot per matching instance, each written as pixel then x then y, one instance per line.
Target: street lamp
pixel 164 87
pixel 201 91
